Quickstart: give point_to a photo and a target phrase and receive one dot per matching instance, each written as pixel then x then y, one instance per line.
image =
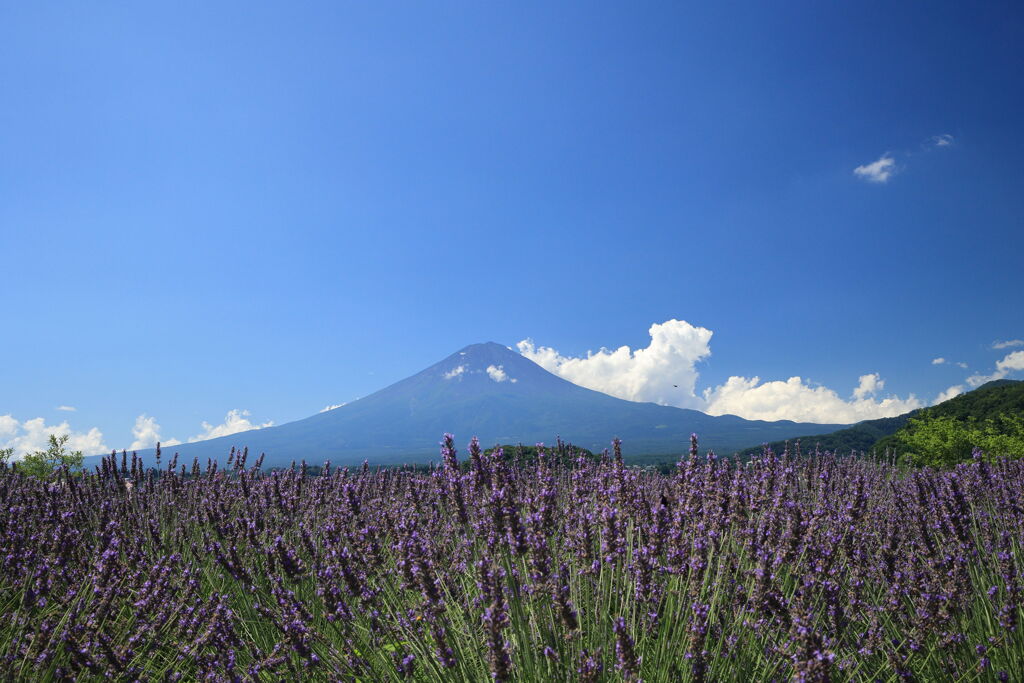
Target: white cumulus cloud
pixel 147 433
pixel 8 425
pixel 34 435
pixel 455 372
pixel 878 171
pixel 332 407
pixel 938 361
pixel 868 385
pixel 664 372
pixel 794 399
pixel 1010 362
pixel 234 422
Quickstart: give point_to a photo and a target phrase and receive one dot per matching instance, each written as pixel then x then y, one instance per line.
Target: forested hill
pixel 995 398
pixel 1001 397
pixel 990 418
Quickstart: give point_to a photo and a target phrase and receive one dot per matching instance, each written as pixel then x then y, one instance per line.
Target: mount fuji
pixel 489 391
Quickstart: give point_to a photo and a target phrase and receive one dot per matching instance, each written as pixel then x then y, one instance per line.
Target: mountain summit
pixel 489 391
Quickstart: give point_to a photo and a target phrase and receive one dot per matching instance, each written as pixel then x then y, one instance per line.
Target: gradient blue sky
pixel 275 207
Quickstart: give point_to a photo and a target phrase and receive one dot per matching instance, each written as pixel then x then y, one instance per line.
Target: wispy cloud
pixel 885 167
pixel 1008 344
pixel 68 409
pixel 944 361
pixel 878 171
pixel 332 407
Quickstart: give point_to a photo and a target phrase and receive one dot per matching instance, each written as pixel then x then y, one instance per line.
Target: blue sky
pixel 214 207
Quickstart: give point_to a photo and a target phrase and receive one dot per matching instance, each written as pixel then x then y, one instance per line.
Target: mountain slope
pixel 489 391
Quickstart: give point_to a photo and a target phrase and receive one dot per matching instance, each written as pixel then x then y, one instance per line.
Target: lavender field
pixel 807 567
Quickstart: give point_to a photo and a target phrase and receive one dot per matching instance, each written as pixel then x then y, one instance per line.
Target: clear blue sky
pixel 273 207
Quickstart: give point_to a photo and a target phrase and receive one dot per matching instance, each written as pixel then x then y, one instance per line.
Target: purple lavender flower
pixel 625 655
pixel 590 667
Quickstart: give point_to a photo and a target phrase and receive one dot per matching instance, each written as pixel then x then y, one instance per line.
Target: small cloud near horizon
pixel 68 409
pixel 878 171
